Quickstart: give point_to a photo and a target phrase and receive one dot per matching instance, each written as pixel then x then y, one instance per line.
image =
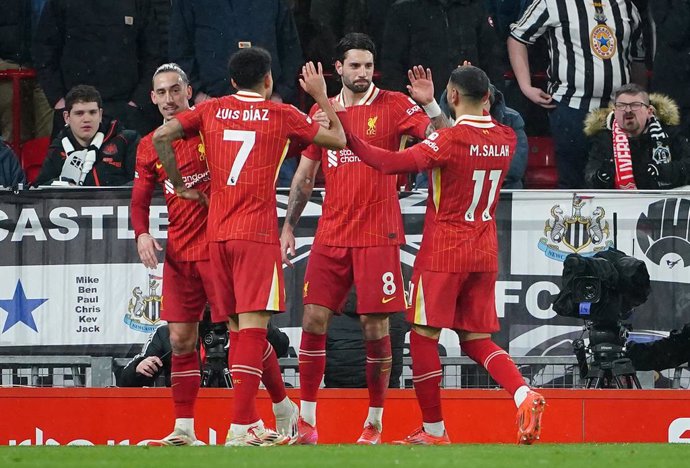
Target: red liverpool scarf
pixel 622 159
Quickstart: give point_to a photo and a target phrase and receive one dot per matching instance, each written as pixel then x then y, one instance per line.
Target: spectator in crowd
pixel 664 353
pixel 638 144
pixel 204 33
pixel 672 59
pixel 111 45
pixel 89 150
pixel 16 25
pixel 11 172
pixel 496 106
pixel 438 34
pixel 591 48
pixel 154 360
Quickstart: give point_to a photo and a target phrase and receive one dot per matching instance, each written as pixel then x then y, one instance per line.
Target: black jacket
pixel 158 344
pixel 600 163
pixel 11 172
pixel 439 34
pixel 115 160
pixel 15 31
pixel 111 45
pixel 204 33
pixel 672 59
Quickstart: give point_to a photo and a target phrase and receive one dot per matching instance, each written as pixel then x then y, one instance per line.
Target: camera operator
pixel 665 353
pixel 154 359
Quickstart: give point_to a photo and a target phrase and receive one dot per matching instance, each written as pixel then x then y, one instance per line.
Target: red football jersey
pixel 361 206
pixel 246 139
pixel 187 219
pixel 467 164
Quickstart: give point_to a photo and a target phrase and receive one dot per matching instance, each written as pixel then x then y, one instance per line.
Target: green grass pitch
pixel 349 456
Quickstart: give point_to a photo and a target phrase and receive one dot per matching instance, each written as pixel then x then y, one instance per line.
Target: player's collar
pixel 248 96
pixel 369 96
pixel 479 121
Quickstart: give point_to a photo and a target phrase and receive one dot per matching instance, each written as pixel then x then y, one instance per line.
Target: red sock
pixel 185 378
pixel 426 375
pixel 312 364
pixel 378 369
pixel 246 374
pixel 496 361
pixel 272 377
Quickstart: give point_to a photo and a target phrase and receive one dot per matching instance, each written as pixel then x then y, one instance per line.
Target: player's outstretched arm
pixel 163 138
pixel 388 162
pixel 421 89
pixel 313 83
pixel 300 192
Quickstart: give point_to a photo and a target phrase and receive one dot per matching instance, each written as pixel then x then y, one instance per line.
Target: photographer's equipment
pixel 215 372
pixel 603 290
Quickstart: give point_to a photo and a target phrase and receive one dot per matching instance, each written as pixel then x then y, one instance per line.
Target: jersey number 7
pixel 247 138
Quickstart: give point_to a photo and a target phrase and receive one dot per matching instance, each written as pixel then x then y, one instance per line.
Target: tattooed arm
pixel 300 192
pixel 163 138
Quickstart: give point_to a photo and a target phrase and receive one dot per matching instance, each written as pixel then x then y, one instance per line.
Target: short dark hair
pixel 352 41
pixel 247 67
pixel 471 81
pixel 82 93
pixel 631 88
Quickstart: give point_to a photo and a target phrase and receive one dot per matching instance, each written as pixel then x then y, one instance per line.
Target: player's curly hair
pixel 247 67
pixel 350 41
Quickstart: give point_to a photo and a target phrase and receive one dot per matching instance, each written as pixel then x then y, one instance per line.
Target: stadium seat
pixel 541 164
pixel 33 153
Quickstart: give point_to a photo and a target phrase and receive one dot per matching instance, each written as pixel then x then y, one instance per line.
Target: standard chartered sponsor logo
pixel 336 158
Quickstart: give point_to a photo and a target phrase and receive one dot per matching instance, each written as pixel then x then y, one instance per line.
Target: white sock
pixel 241 429
pixel 375 417
pixel 520 395
pixel 307 410
pixel 283 408
pixel 436 429
pixel 186 425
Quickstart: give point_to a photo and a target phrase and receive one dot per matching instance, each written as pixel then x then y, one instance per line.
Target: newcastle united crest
pixel 575 233
pixel 144 311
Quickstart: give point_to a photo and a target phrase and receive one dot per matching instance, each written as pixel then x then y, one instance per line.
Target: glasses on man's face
pixel 633 106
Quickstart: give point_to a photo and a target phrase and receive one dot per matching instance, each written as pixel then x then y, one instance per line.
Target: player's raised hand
pixel 193 195
pixel 312 81
pixel 421 87
pixel 147 247
pixel 287 246
pixel 321 118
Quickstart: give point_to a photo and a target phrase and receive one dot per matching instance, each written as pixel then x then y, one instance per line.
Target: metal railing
pixel 458 372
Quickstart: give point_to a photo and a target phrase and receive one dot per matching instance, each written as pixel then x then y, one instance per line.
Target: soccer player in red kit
pixel 456 268
pixel 246 138
pixel 187 277
pixel 358 237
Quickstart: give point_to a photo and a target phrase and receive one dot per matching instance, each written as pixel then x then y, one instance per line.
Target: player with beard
pixel 455 271
pixel 359 233
pixel 246 138
pixel 187 273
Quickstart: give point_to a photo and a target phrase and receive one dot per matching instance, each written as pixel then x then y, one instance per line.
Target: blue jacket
pixel 506 116
pixel 11 172
pixel 205 33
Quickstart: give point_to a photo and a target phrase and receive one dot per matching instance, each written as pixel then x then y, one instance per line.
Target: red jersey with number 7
pixel 246 139
pixel 467 164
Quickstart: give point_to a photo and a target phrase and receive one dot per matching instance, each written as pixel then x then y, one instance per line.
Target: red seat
pixel 541 170
pixel 33 153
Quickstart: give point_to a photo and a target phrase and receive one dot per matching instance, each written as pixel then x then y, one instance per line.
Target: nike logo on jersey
pixel 386 300
pixel 158 165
